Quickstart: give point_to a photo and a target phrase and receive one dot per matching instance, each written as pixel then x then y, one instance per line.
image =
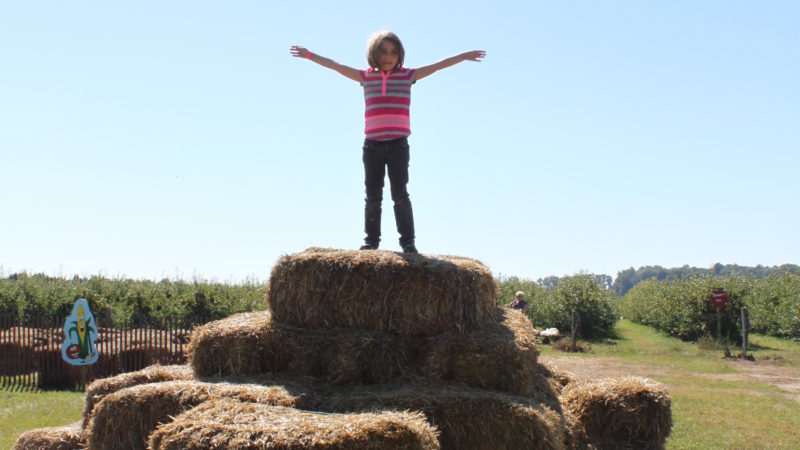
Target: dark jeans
pixel 379 156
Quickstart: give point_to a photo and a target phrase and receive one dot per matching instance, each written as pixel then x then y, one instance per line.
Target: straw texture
pixel 410 295
pixel 500 355
pixel 575 437
pixel 70 437
pixel 234 425
pixel 551 377
pixel 629 412
pixel 98 389
pixel 252 343
pixel 124 419
pixel 467 418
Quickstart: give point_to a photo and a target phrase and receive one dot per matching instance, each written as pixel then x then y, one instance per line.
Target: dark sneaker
pixel 369 247
pixel 410 248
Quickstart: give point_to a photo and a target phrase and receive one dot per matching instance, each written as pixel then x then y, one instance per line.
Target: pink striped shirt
pixel 388 99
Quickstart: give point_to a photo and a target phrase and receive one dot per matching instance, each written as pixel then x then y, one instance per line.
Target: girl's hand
pixel 302 52
pixel 298 51
pixel 475 55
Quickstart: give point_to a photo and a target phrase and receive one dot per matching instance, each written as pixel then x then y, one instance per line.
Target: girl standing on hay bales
pixel 387 93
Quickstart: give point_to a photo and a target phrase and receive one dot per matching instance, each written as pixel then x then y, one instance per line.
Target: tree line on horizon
pixel 25 295
pixel 628 278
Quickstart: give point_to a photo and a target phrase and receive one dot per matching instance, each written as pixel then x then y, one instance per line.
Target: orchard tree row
pixel 683 308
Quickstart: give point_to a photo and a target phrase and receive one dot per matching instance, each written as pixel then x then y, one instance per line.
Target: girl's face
pixel 388 56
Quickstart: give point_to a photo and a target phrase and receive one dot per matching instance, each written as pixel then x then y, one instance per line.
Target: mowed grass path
pixel 716 403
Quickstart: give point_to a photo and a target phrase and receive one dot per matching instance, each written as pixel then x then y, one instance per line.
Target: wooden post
pixel 719 324
pixel 576 318
pixel 745 330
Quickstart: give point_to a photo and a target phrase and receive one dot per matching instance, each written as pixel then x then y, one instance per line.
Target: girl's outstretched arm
pixel 474 55
pixel 347 71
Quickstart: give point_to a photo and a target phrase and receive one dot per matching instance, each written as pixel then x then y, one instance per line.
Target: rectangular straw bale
pixel 411 295
pixel 252 343
pixel 575 434
pixel 70 437
pixel 556 377
pixel 233 345
pixel 466 417
pixel 235 425
pixel 501 355
pixel 98 389
pixel 124 419
pixel 628 412
pixel 548 382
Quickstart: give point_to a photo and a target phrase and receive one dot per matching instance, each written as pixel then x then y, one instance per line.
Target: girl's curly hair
pixel 374 47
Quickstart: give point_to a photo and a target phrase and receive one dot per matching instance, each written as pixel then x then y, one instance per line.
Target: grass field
pixel 716 403
pixel 23 411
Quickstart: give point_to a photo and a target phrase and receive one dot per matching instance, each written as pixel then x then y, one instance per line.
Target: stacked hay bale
pixel 629 412
pixel 367 349
pixel 99 389
pixel 229 423
pixel 397 332
pixel 70 437
pixel 410 295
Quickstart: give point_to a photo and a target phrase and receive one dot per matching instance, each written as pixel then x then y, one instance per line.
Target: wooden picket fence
pixel 30 352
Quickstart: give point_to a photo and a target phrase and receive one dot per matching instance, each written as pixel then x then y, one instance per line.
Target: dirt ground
pixel 787 379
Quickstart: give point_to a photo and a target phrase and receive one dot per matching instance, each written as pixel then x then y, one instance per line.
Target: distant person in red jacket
pixel 519 303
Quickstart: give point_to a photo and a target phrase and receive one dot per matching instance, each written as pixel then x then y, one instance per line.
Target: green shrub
pixel 774 306
pixel 553 308
pixel 509 286
pixel 594 305
pixel 683 308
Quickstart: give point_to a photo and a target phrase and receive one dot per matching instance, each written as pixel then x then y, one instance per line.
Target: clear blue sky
pixel 179 139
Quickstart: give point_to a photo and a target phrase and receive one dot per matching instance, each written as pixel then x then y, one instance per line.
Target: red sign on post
pixel 719 298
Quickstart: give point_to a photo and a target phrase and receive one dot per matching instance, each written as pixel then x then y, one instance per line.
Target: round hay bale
pixel 124 419
pixel 501 355
pixel 629 412
pixel 467 418
pixel 235 425
pixel 98 389
pixel 70 437
pixel 411 295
